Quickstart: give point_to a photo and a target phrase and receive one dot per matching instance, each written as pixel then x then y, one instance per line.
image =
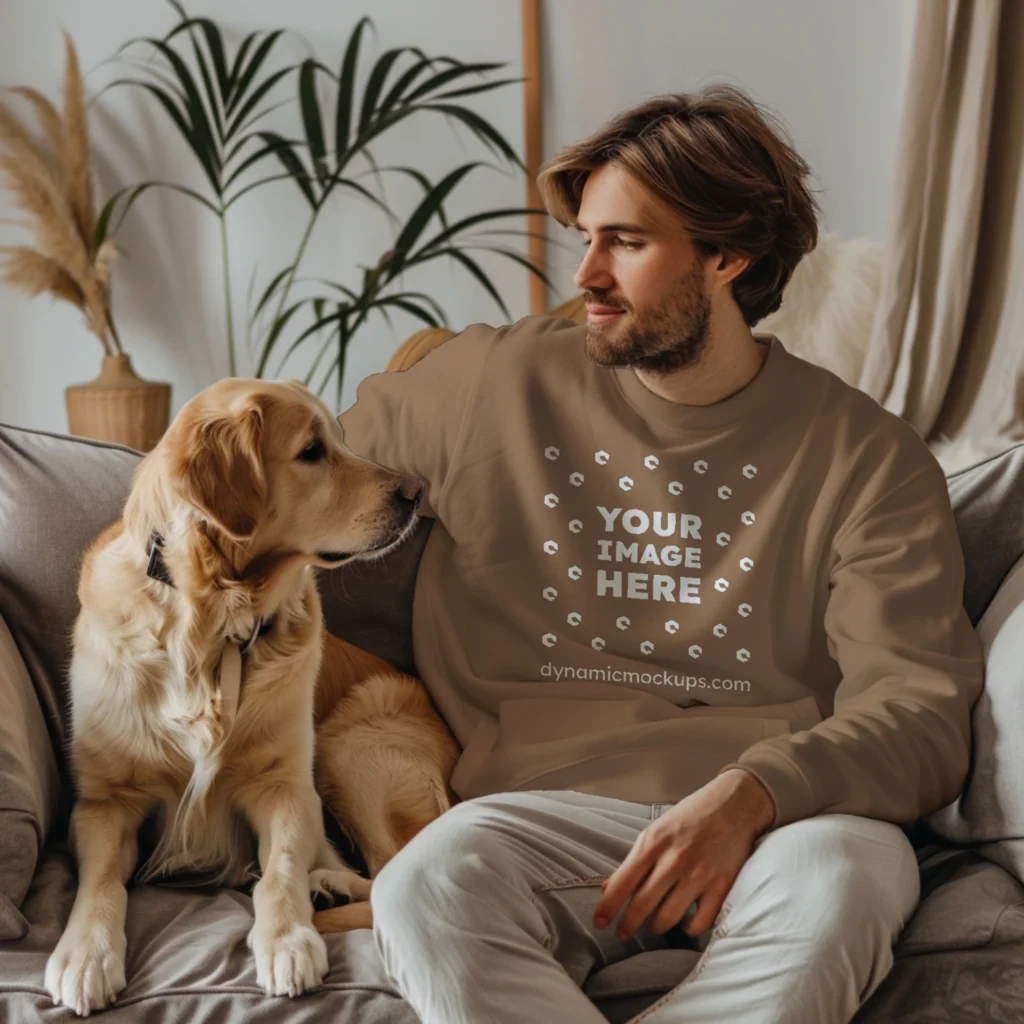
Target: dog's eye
pixel 313 452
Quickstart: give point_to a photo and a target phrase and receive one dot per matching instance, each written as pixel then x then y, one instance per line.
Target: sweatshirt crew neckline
pixel 760 392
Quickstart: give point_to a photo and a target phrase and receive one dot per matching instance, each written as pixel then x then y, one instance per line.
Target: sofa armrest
pixel 29 785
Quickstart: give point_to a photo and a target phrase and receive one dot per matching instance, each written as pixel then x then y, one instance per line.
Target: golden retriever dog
pixel 201 696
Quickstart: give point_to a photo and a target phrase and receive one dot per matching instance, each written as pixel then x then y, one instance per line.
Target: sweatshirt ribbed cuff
pixel 790 791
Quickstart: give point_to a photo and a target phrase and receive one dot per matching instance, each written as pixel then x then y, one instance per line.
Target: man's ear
pixel 731 264
pixel 220 469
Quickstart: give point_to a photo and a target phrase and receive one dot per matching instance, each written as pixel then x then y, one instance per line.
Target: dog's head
pixel 264 463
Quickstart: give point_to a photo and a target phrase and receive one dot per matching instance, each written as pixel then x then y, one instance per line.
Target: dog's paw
pixel 85 972
pixel 291 962
pixel 333 888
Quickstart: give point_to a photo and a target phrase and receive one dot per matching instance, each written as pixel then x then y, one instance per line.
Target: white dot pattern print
pixel 637 558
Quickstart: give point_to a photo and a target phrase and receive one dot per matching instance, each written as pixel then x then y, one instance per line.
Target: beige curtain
pixel 947 347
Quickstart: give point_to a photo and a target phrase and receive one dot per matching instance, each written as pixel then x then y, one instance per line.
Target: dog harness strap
pixel 230 683
pixel 231 669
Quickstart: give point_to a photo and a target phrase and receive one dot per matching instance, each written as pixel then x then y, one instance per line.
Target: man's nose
pixel 592 274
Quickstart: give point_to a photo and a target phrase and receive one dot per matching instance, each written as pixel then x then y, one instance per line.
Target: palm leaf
pixel 323 351
pixel 201 132
pixel 276 328
pixel 346 88
pixel 214 43
pixel 318 325
pixel 239 122
pixel 347 292
pixel 366 194
pixel 238 143
pixel 311 121
pixel 214 94
pixel 429 300
pixel 409 307
pixel 487 134
pixel 282 149
pixel 275 283
pixel 477 218
pixel 517 257
pixel 472 90
pixel 259 183
pixel 236 66
pixel 429 206
pixel 444 77
pixel 272 142
pixel 375 83
pixel 408 77
pixel 245 78
pixel 196 143
pixel 474 268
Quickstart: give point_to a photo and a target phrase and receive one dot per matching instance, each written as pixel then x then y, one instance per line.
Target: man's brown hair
pixel 725 164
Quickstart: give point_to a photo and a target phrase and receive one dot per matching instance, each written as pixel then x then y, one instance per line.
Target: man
pixel 691 605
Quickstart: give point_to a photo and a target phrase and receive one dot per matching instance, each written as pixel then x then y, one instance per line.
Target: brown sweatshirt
pixel 626 596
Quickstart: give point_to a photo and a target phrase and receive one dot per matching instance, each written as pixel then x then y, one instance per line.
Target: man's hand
pixel 691 853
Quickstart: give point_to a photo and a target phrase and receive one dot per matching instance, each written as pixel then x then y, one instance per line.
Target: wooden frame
pixel 533 107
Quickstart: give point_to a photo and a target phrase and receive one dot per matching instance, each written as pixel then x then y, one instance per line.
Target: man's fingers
pixel 708 907
pixel 647 897
pixel 674 906
pixel 621 884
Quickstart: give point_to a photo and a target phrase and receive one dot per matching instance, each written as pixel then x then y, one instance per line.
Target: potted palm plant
pixel 72 257
pixel 216 95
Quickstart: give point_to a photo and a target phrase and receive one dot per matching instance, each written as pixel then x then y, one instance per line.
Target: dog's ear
pixel 221 469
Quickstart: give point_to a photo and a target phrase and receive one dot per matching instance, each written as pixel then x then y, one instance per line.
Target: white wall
pixel 834 70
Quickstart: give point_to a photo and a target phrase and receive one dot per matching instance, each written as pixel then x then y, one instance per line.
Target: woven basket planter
pixel 119 406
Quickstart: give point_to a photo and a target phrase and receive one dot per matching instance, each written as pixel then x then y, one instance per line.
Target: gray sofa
pixel 960 959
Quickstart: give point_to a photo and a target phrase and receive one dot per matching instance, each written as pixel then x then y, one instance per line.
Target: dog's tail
pixel 412 806
pixel 409 809
pixel 348 918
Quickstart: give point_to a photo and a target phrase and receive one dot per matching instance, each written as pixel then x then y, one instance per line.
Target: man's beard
pixel 660 340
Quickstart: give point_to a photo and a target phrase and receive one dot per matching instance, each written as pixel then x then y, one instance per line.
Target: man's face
pixel 645 285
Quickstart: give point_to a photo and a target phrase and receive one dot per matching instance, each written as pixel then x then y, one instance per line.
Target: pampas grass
pixel 52 186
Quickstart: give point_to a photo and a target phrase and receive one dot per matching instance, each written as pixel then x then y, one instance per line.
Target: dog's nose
pixel 408 493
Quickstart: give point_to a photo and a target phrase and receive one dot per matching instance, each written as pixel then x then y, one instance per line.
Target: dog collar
pixel 259 628
pixel 157 570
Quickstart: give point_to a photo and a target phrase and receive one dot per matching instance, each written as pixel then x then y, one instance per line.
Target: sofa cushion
pixel 961 956
pixel 56 494
pixel 988 504
pixel 990 810
pixel 369 604
pixel 187 961
pixel 625 988
pixel 29 785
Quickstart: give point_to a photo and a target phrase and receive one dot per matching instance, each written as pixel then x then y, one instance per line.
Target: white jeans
pixel 486 916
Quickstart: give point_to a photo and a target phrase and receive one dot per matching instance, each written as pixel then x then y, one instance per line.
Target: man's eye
pixel 626 244
pixel 313 452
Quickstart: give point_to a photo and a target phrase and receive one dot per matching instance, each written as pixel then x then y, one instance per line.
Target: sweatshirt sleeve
pixel 898 743
pixel 412 420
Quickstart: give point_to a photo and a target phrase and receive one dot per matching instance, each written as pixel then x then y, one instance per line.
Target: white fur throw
pixel 826 317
